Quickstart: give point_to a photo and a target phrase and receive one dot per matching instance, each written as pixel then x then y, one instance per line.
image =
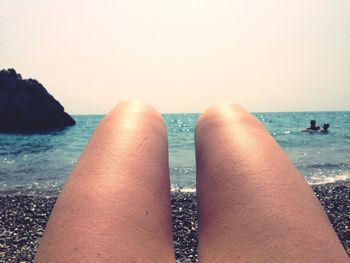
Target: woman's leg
pixel 115 206
pixel 254 206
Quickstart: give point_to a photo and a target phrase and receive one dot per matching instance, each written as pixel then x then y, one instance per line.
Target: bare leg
pixel 115 206
pixel 254 206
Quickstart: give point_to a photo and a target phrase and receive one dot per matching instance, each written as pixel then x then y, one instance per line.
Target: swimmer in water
pixel 313 126
pixel 325 128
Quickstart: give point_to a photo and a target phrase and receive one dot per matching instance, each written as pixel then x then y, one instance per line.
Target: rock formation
pixel 26 106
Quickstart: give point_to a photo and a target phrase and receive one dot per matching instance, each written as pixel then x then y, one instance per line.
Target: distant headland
pixel 26 106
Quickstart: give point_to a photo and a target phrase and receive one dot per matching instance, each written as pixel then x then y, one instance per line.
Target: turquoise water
pixel 32 163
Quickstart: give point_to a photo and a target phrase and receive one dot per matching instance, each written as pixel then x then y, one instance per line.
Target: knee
pixel 136 106
pixel 135 110
pixel 219 113
pixel 224 114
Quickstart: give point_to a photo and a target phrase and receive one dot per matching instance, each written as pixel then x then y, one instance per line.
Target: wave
pixel 328 165
pixel 314 180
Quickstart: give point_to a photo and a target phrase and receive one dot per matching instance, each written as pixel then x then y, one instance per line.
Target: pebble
pixel 23 219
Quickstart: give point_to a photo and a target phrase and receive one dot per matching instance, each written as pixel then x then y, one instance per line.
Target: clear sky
pixel 183 55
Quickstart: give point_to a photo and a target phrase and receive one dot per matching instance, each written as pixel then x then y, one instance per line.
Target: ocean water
pixel 41 163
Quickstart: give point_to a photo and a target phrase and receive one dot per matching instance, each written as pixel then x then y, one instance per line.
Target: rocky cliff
pixel 26 106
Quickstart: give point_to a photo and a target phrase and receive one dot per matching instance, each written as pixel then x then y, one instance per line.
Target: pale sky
pixel 183 55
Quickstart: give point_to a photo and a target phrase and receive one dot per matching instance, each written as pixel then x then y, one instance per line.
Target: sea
pixel 40 163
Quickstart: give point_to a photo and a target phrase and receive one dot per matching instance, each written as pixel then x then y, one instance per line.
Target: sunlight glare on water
pixel 42 162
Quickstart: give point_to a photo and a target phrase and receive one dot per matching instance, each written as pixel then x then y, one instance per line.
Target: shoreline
pixel 24 217
pixel 52 192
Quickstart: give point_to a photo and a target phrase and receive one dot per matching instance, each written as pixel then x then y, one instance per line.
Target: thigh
pixel 254 206
pixel 115 206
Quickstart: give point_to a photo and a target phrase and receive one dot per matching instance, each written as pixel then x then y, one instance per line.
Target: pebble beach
pixel 24 217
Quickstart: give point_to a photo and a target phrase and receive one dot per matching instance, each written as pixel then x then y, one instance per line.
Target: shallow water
pixel 31 163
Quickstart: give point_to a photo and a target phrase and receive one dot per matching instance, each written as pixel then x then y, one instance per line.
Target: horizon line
pixel 295 111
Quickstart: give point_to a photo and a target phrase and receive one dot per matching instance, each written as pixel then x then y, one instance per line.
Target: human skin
pixel 253 204
pixel 115 206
